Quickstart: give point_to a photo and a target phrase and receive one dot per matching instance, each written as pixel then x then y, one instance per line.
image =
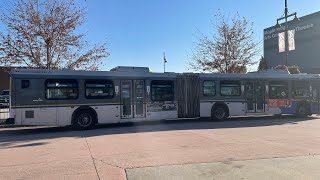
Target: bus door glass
pixel 316 98
pixel 250 96
pixel 260 91
pixel 126 99
pixel 255 96
pixel 139 106
pixel 132 99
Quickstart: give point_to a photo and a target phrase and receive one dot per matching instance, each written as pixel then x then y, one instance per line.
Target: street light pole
pixel 286 31
pixel 286 38
pixel 164 62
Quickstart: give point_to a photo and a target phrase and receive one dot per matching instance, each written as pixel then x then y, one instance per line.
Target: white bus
pixel 131 94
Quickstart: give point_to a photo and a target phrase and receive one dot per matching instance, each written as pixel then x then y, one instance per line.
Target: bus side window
pixel 209 88
pixel 162 90
pixel 61 89
pixel 25 84
pixel 230 88
pixel 301 89
pixel 278 90
pixel 99 89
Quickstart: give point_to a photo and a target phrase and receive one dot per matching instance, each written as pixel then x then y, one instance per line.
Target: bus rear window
pixel 278 90
pixel 25 84
pixel 99 89
pixel 61 89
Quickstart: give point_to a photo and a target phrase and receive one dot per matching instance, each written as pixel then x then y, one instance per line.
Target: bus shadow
pixel 11 137
pixel 198 124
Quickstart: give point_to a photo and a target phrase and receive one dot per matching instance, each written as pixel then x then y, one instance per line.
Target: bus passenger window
pixel 162 91
pixel 99 89
pixel 209 88
pixel 230 88
pixel 278 90
pixel 301 90
pixel 25 84
pixel 61 89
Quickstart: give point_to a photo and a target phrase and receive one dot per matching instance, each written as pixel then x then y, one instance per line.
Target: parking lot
pixel 239 148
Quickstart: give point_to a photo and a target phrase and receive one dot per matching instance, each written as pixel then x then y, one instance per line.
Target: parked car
pixel 4 98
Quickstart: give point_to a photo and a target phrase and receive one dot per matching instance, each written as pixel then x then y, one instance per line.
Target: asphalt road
pixel 240 148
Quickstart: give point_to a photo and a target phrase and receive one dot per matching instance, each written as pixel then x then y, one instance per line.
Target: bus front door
pixel 255 96
pixel 132 99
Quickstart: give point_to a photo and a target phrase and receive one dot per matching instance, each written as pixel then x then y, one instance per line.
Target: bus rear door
pixel 255 96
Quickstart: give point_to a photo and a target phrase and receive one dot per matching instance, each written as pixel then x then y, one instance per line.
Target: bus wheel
pixel 219 113
pixel 302 110
pixel 84 120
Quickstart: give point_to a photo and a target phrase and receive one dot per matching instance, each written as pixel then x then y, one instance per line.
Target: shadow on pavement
pixel 11 145
pixel 9 137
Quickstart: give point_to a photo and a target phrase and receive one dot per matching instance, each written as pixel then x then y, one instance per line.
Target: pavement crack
pixel 94 164
pixel 110 164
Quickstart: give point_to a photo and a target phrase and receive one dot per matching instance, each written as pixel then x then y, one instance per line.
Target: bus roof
pixel 67 72
pixel 143 72
pixel 264 75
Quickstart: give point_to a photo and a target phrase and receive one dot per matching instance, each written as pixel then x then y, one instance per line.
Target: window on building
pixel 278 90
pixel 230 88
pixel 61 89
pixel 162 91
pixel 209 88
pixel 99 89
pixel 301 90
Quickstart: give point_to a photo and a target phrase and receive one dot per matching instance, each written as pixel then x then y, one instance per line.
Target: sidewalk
pixel 293 168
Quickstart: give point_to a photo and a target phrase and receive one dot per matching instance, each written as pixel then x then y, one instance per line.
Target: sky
pixel 139 31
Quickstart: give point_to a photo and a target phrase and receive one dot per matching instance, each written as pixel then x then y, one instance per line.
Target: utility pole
pixel 164 62
pixel 286 38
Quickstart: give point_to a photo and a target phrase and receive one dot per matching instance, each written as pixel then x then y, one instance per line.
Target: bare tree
pixel 44 34
pixel 230 49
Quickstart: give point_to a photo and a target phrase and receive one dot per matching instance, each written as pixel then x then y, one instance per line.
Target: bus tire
pixel 303 110
pixel 219 112
pixel 84 119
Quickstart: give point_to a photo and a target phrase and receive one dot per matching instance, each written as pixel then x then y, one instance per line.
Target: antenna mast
pixel 164 62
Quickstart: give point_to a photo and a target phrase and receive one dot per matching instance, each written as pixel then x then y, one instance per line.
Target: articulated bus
pixel 131 94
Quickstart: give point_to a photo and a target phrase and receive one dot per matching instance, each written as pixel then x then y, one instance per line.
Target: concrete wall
pixel 307 43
